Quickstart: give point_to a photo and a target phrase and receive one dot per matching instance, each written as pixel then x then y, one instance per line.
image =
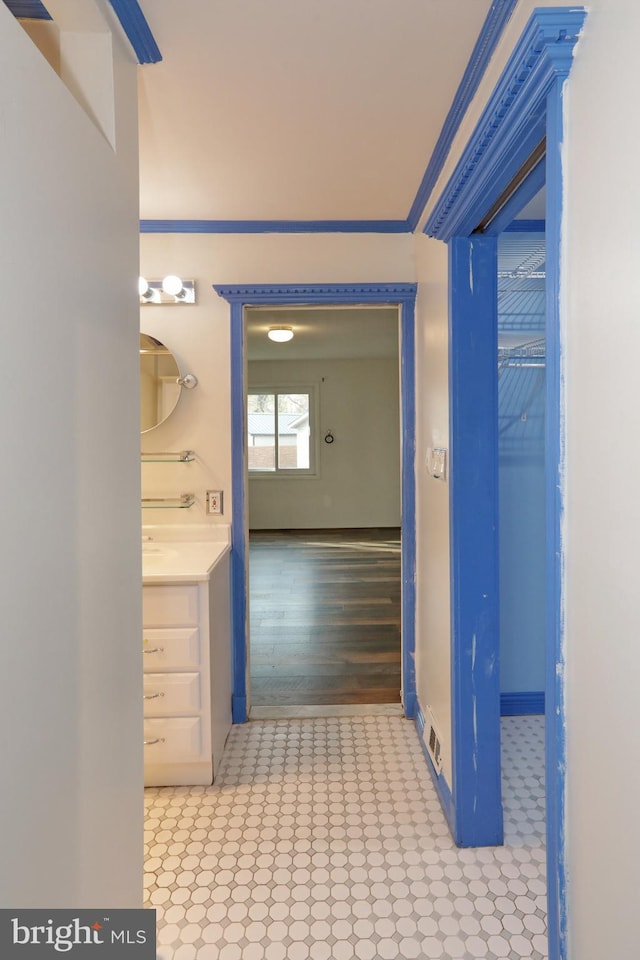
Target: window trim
pixel 312 472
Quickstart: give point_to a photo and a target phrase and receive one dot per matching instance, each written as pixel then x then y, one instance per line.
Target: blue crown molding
pixel 526 226
pixel 512 123
pixel 274 226
pixel 522 703
pixel 28 9
pixel 314 293
pixel 495 22
pixel 137 29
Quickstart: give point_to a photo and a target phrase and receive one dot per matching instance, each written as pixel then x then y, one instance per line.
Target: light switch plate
pixel 437 463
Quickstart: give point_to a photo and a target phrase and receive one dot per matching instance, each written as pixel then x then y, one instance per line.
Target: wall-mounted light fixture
pixel 280 334
pixel 170 290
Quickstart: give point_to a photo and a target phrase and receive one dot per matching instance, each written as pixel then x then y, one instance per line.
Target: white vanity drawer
pixel 170 606
pixel 176 739
pixel 167 694
pixel 170 648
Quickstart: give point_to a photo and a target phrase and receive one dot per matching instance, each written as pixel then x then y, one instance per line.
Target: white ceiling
pixel 297 109
pixel 345 333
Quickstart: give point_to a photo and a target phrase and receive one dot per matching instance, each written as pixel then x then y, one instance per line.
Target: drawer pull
pixel 150 743
pixel 153 650
pixel 152 696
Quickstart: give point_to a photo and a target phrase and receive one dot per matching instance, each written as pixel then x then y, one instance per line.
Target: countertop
pixel 173 556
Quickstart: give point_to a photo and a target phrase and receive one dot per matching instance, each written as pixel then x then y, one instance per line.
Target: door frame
pixel 402 295
pixel 525 107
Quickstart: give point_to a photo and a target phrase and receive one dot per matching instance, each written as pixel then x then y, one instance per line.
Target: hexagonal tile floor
pixel 323 839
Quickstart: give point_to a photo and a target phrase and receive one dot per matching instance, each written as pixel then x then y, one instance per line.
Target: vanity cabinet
pixel 187 678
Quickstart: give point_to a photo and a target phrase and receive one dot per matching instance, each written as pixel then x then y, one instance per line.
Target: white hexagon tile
pixel 323 839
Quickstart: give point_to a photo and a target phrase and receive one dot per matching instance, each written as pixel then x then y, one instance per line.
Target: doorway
pixel 323 463
pixel 399 296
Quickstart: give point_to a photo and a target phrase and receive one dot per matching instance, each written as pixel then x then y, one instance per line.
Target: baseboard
pixel 442 787
pixel 520 704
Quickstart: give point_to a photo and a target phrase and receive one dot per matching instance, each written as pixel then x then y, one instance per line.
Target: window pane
pixel 293 431
pixel 261 430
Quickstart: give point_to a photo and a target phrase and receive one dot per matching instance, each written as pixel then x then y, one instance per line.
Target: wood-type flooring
pixel 325 616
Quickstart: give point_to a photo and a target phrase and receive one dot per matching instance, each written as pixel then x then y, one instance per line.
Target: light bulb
pixel 172 285
pixel 280 334
pixel 143 286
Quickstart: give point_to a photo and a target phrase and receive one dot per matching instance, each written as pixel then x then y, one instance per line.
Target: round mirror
pixel 159 386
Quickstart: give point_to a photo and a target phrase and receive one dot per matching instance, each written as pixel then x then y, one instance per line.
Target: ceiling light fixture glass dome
pixel 280 334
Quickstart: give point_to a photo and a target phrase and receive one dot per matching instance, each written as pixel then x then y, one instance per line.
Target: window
pixel 281 431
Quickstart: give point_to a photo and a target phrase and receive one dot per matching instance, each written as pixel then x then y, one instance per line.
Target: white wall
pixel 199 335
pixel 433 621
pixel 601 307
pixel 70 671
pixel 358 482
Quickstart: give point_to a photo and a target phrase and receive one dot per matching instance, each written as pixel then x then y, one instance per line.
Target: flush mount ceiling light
pixel 172 289
pixel 280 334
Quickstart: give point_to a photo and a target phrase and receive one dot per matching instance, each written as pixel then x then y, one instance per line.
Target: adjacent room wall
pixel 358 481
pixel 70 670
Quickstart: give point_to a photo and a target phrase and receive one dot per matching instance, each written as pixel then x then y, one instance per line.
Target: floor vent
pixel 432 740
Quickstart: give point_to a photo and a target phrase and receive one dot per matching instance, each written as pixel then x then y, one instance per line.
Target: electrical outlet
pixel 214 501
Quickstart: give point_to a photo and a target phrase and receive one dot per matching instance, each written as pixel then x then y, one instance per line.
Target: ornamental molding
pixel 318 293
pixel 512 123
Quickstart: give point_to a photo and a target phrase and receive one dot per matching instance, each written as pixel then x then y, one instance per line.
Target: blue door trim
pixel 555 751
pixel 525 106
pixel 402 295
pixel 473 500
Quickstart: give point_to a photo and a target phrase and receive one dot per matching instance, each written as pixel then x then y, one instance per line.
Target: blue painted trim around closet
pixel 522 703
pixel 555 732
pixel 274 226
pixel 240 296
pixel 495 22
pixel 138 31
pixel 28 9
pixel 526 106
pixel 473 512
pixel 525 226
pixel 511 125
pixel 439 782
pixel 518 199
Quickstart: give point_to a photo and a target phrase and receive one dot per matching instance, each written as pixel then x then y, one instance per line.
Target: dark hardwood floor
pixel 325 616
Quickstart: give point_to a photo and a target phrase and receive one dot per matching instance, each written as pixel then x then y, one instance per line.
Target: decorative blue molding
pixel 28 9
pixel 274 226
pixel 307 294
pixel 239 296
pixel 512 123
pixel 137 29
pixel 526 226
pixel 522 704
pixel 439 782
pixel 495 22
